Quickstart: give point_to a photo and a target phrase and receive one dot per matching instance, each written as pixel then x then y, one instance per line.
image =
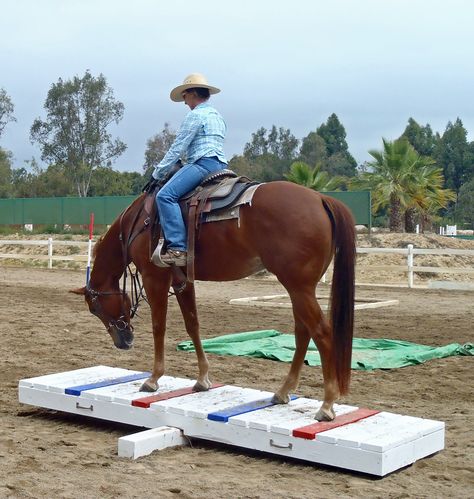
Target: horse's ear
pixel 78 291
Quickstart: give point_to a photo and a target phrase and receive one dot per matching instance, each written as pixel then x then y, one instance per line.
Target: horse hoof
pixel 149 386
pixel 278 399
pixel 324 415
pixel 201 387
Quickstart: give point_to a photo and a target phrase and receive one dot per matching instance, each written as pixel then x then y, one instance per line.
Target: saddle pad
pixel 232 211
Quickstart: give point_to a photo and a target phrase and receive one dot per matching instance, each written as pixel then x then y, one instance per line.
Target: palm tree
pixel 301 173
pixel 392 173
pixel 403 180
pixel 428 194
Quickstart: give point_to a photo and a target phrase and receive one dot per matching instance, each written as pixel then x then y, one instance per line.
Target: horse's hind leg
pixel 187 303
pixel 310 322
pixel 322 336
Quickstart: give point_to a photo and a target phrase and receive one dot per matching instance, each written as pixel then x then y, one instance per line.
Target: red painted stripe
pixel 146 401
pixel 309 432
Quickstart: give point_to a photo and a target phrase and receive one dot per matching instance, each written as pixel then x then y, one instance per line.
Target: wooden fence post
pixel 410 265
pixel 50 252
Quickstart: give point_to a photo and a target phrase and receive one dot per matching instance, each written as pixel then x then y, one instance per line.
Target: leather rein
pixel 136 287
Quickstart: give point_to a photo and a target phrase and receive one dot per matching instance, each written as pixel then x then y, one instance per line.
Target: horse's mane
pixel 101 238
pixel 96 246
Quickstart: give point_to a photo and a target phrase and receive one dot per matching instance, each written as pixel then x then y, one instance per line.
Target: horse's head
pixel 113 309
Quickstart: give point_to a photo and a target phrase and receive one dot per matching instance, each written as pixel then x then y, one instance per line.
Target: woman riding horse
pixel 201 139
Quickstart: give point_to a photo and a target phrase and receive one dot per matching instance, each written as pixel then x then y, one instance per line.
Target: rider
pixel 200 138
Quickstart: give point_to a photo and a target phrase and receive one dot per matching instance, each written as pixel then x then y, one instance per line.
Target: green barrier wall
pixel 359 202
pixel 71 211
pixel 75 211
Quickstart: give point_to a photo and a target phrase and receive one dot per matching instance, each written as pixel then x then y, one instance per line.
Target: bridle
pixel 121 323
pixel 136 287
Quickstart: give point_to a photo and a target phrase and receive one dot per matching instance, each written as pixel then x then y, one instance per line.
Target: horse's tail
pixel 342 289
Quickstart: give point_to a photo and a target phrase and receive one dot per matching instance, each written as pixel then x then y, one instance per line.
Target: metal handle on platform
pixel 79 406
pixel 279 446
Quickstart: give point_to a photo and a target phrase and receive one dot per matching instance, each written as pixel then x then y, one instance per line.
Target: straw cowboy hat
pixel 192 81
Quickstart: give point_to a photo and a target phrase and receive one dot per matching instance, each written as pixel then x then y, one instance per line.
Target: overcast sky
pixel 374 63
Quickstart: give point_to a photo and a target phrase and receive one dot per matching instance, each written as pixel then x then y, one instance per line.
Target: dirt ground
pixel 50 454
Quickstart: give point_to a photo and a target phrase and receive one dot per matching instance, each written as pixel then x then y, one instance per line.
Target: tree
pixel 6 110
pixel 157 147
pixel 21 183
pixel 301 173
pixel 108 182
pixel 427 193
pixel 35 181
pixel 313 149
pixel 271 153
pixel 455 156
pixel 243 166
pixel 334 135
pixel 49 182
pixel 75 133
pixel 258 146
pixel 395 179
pixel 282 143
pixel 328 147
pixel 469 158
pixel 339 164
pixel 421 137
pixel 23 178
pixel 5 173
pixel 465 208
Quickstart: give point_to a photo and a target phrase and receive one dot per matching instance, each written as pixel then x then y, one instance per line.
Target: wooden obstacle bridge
pixel 358 439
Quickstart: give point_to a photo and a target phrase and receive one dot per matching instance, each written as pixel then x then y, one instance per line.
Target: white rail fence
pixel 50 257
pixel 409 252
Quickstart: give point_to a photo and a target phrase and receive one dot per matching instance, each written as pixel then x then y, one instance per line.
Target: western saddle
pixel 217 192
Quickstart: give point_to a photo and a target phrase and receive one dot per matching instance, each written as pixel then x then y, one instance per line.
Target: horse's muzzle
pixel 122 335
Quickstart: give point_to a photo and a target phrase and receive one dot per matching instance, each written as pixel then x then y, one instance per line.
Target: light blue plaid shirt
pixel 201 135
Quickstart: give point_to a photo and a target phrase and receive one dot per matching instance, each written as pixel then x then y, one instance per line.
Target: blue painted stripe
pixel 225 414
pixel 76 390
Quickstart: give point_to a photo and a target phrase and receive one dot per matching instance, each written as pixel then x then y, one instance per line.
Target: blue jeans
pixel 186 179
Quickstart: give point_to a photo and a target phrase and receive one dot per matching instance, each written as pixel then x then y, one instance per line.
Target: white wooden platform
pixel 359 439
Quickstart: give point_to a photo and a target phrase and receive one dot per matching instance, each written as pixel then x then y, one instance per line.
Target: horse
pixel 290 230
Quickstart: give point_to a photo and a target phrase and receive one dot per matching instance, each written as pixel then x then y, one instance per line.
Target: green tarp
pixel 366 354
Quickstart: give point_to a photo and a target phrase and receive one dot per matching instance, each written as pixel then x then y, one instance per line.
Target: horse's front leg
pixel 158 298
pixel 187 303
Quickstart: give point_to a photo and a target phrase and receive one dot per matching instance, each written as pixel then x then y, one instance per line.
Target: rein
pixel 136 290
pixel 136 286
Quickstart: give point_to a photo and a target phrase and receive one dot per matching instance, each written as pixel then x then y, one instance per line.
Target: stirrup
pixel 156 257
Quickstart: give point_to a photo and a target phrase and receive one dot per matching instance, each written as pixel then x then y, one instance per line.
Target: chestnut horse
pixel 290 230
